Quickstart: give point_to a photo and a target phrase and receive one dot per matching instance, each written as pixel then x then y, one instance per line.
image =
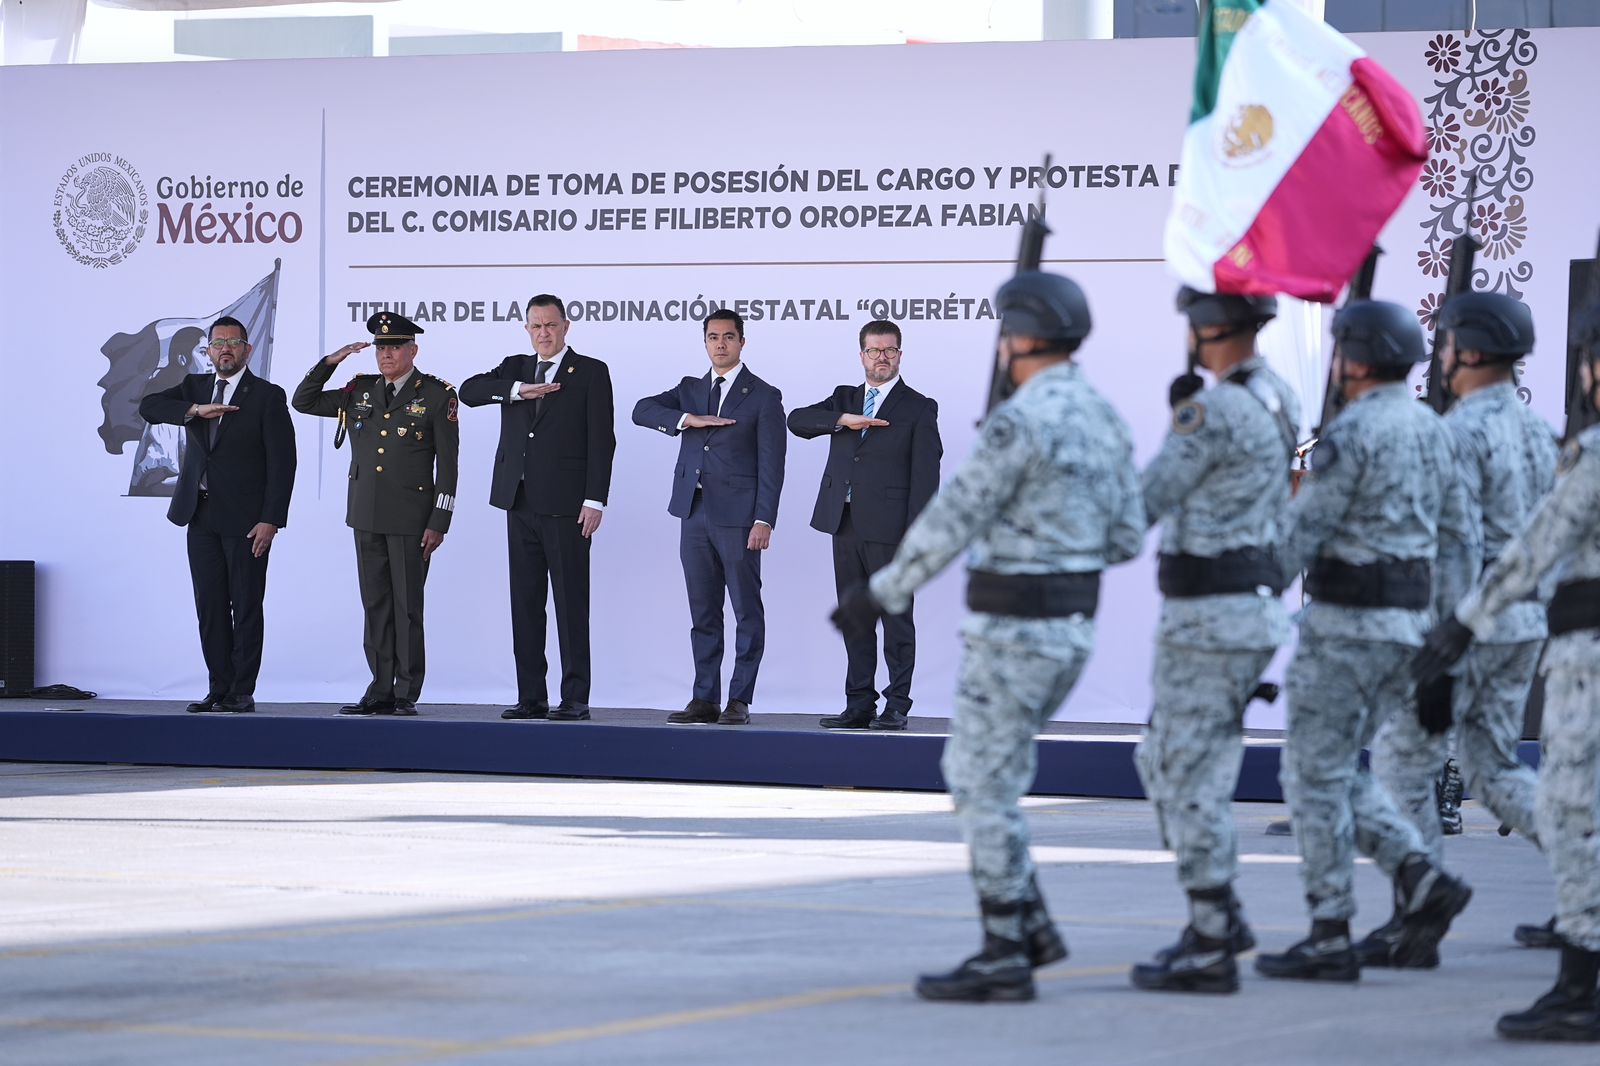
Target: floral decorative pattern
pixel 1477 171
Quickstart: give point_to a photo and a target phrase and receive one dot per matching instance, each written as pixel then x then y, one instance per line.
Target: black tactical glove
pixel 1433 704
pixel 1444 644
pixel 1184 386
pixel 857 614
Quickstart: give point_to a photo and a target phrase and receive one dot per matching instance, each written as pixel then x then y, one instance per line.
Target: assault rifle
pixel 1579 412
pixel 1360 289
pixel 1029 255
pixel 1463 252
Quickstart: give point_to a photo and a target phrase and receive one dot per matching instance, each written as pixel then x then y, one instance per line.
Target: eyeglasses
pixel 232 345
pixel 873 353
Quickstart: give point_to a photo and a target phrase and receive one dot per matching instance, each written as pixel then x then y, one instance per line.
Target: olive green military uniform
pixel 402 481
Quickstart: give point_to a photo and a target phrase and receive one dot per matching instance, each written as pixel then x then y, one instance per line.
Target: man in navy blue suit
pixel 883 468
pixel 233 496
pixel 725 490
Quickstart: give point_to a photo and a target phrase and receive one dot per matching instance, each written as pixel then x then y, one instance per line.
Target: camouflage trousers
pixel 1340 692
pixel 1569 782
pixel 1005 693
pixel 1189 758
pixel 1491 700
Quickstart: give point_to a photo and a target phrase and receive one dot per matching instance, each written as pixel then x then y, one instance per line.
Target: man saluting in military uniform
pixel 403 445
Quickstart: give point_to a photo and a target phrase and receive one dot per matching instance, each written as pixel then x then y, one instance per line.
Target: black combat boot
pixel 1001 971
pixel 1570 1011
pixel 1537 936
pixel 1195 963
pixel 1377 947
pixel 1447 791
pixel 1325 955
pixel 1202 959
pixel 1430 900
pixel 1039 934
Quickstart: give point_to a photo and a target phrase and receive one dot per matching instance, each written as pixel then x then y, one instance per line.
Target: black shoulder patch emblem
pixel 1188 416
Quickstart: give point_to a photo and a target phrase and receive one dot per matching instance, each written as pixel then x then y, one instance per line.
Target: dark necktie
pixel 541 374
pixel 716 395
pixel 388 394
pixel 216 423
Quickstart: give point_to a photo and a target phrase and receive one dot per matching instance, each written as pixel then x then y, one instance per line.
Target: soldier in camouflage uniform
pixel 1506 457
pixel 1218 486
pixel 1381 520
pixel 1048 499
pixel 1562 539
pixel 404 441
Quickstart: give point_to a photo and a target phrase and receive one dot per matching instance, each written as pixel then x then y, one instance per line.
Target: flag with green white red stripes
pixel 1299 149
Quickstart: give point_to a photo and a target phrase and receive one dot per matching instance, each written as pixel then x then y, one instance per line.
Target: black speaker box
pixel 16 628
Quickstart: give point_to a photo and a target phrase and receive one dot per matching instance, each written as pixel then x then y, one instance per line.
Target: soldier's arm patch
pixel 451 411
pixel 1571 452
pixel 1188 417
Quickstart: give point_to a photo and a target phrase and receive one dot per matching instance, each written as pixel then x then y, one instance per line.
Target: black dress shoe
pixel 236 704
pixel 736 713
pixel 894 721
pixel 526 710
pixel 698 712
pixel 569 712
pixel 403 709
pixel 847 720
pixel 210 704
pixel 368 706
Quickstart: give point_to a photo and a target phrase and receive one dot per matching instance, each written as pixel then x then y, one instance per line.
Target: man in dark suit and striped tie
pixel 883 468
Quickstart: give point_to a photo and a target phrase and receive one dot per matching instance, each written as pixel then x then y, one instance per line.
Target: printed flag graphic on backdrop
pixel 157 357
pixel 1299 150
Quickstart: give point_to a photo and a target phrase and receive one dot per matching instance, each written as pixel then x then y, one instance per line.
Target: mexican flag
pixel 1299 149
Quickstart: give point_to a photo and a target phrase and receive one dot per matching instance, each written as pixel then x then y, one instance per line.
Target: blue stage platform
pixel 1075 759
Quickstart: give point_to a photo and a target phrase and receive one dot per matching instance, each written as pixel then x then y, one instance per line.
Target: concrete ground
pixel 163 916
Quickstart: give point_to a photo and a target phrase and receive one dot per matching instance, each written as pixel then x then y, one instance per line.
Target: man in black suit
pixel 552 473
pixel 883 468
pixel 233 495
pixel 725 489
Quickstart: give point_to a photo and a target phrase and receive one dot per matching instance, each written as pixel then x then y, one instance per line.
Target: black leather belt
pixel 1033 595
pixel 1240 570
pixel 1576 605
pixel 1406 583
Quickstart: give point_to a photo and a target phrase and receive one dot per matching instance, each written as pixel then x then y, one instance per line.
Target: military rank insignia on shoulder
pixel 1188 417
pixel 1571 452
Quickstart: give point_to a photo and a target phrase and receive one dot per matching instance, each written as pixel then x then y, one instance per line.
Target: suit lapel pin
pixel 570 369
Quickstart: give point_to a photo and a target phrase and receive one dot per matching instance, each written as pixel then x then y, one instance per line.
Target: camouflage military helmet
pixel 1226 308
pixel 1048 306
pixel 1489 322
pixel 1379 333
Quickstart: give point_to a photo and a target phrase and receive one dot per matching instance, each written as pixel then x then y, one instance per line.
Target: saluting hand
pixel 705 421
pixel 533 392
pixel 346 352
pixel 431 539
pixel 859 422
pixel 211 410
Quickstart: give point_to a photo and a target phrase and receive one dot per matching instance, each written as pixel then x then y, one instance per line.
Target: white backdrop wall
pixel 115 608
